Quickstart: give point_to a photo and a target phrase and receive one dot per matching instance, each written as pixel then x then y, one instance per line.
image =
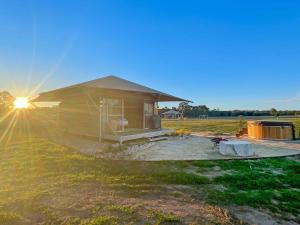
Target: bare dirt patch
pixel 91 200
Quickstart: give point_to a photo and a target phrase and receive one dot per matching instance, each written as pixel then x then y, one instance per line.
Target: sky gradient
pixel 225 54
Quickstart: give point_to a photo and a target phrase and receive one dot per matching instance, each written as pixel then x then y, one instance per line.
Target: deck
pixel 137 134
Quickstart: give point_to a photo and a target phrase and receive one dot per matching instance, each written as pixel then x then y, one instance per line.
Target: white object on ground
pixel 239 148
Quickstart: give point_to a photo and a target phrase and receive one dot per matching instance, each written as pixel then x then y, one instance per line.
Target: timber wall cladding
pixel 133 112
pixel 80 118
pixel 280 132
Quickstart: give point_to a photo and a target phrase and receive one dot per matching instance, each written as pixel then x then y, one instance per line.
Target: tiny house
pixel 271 130
pixel 109 108
pixel 170 114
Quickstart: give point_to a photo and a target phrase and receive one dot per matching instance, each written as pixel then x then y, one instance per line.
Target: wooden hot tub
pixel 271 130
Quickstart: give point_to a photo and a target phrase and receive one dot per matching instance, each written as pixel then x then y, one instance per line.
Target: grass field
pixel 42 182
pixel 216 125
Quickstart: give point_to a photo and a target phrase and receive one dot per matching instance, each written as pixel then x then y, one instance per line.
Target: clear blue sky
pixel 225 54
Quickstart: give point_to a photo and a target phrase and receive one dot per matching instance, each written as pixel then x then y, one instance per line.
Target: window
pixel 148 114
pixel 148 108
pixel 114 107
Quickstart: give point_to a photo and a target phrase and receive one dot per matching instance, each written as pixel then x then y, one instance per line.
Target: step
pixel 158 138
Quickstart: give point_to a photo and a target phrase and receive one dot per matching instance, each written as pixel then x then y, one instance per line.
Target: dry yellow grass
pixel 217 126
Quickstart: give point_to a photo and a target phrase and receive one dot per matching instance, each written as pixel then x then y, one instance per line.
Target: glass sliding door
pixel 112 115
pixel 148 114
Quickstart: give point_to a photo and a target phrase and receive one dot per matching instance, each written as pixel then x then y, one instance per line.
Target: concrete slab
pixel 200 148
pixel 176 148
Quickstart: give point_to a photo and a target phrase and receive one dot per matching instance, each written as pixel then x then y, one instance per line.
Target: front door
pixel 148 114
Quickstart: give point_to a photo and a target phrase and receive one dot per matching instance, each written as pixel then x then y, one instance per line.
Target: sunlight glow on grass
pixel 21 103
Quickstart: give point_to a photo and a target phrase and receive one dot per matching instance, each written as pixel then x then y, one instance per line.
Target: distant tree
pixel 6 101
pixel 183 107
pixel 274 112
pixel 203 109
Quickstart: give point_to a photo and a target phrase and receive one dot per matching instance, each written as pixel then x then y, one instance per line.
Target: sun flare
pixel 21 103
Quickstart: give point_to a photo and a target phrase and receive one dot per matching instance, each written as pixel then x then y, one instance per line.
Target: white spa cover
pixel 236 148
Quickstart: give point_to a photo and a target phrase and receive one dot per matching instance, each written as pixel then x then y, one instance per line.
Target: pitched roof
pixel 170 112
pixel 112 83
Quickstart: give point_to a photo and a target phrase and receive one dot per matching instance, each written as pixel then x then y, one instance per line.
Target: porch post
pixel 123 114
pixel 100 119
pixel 144 122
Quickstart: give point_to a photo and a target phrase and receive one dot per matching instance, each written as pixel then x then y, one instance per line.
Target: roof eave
pixel 54 95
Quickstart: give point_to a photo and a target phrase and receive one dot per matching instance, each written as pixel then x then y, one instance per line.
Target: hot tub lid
pixel 271 123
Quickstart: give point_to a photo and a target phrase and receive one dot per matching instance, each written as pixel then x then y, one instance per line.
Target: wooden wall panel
pixel 79 112
pixel 80 118
pixel 133 110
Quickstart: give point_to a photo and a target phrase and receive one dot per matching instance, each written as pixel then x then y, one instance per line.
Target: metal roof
pixel 110 83
pixel 170 112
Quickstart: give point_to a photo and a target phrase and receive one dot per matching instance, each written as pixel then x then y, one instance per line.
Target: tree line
pixel 202 111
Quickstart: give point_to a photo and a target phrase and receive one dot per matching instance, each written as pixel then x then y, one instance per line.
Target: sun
pixel 21 103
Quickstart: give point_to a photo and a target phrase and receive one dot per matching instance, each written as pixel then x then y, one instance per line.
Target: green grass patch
pixel 267 183
pixel 163 218
pixel 121 208
pixel 101 220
